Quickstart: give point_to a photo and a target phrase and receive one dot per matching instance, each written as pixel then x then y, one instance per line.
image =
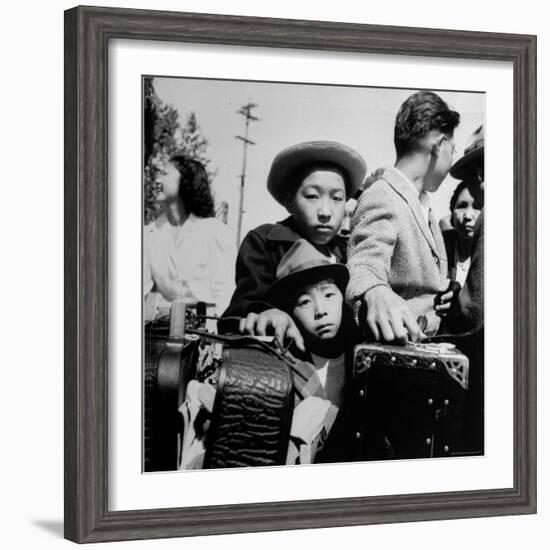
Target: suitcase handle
pixel 267 343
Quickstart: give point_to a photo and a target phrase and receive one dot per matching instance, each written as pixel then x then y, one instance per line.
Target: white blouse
pixel 195 263
pixel 462 269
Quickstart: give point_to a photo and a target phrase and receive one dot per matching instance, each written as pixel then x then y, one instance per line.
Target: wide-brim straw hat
pixel 301 266
pixel 474 151
pixel 298 157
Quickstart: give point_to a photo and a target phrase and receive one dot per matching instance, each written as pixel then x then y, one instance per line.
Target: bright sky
pixel 360 117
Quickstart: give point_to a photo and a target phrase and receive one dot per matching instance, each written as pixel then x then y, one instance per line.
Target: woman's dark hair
pixel 421 113
pixel 194 187
pixel 474 189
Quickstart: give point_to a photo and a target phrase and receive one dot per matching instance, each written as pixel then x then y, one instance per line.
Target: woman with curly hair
pixel 188 254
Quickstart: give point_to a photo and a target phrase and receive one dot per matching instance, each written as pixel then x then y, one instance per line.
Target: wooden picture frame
pixel 87 34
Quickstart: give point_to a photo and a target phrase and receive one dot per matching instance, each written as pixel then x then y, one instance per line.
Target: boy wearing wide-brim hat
pixel 310 288
pixel 312 180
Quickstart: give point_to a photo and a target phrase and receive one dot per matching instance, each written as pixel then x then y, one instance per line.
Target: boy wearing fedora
pixel 396 254
pixel 310 289
pixel 312 180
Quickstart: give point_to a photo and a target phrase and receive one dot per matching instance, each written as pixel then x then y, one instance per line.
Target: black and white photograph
pixel 253 296
pixel 313 273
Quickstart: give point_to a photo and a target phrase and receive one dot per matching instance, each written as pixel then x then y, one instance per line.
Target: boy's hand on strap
pixel 280 322
pixel 389 318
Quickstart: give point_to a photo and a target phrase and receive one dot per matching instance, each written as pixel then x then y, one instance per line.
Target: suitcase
pixel 409 400
pixel 169 365
pixel 253 408
pixel 472 344
pixel 252 413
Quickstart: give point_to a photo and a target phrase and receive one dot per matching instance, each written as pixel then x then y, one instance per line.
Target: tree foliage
pixel 164 138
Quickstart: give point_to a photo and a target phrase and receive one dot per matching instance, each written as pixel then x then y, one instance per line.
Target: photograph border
pixel 87 34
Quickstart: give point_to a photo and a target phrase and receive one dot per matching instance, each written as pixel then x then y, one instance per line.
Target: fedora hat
pixel 288 162
pixel 304 265
pixel 474 151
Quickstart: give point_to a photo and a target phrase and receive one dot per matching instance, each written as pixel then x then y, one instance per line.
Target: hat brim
pixel 287 162
pixel 285 289
pixel 461 167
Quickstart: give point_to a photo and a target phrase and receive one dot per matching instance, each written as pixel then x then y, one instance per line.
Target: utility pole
pixel 245 111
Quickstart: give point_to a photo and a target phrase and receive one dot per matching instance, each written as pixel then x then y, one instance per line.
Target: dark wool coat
pixel 467 311
pixel 259 255
pixel 450 236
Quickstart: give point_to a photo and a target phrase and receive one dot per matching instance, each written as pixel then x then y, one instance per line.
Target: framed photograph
pixel 202 396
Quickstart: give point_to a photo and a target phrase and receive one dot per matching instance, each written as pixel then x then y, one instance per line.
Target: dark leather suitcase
pixel 252 413
pixel 472 344
pixel 409 400
pixel 169 365
pixel 253 408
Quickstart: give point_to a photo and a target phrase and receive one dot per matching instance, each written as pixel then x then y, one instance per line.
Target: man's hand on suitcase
pixel 389 318
pixel 274 321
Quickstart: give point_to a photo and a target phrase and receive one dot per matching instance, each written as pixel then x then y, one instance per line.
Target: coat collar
pixel 286 231
pixel 162 221
pixel 398 182
pixel 450 237
pixel 306 380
